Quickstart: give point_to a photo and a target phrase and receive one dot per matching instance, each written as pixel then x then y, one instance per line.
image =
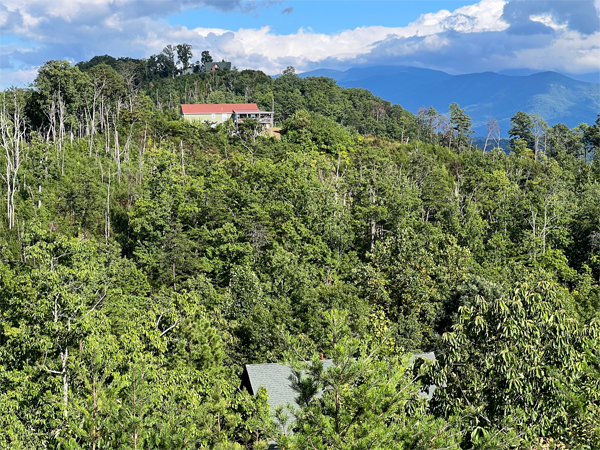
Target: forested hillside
pixel 145 260
pixel 485 96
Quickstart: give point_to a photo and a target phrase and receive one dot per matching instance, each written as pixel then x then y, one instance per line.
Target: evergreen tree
pixel 521 126
pixel 461 124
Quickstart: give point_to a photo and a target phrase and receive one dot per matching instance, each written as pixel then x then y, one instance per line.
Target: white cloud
pixel 305 48
pixel 485 15
pixel 20 78
pixel 572 53
pixel 476 37
pixel 472 38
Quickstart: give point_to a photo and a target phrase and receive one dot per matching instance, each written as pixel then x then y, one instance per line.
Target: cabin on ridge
pixel 220 113
pixel 212 66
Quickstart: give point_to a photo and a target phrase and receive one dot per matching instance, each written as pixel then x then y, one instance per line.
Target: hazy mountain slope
pixel 555 97
pixel 397 73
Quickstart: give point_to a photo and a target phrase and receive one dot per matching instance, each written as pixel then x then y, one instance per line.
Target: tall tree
pixel 523 369
pixel 540 134
pixel 184 56
pixel 365 399
pixel 562 140
pixel 461 123
pixel 12 141
pixel 493 133
pixel 205 58
pixel 521 127
pixel 61 94
pixel 167 59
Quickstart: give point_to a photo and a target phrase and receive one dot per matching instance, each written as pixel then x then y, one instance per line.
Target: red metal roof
pixel 219 108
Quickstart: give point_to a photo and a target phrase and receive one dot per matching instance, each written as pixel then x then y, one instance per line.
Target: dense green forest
pixel 145 260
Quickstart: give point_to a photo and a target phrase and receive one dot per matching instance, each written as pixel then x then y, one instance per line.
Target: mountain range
pixel 489 95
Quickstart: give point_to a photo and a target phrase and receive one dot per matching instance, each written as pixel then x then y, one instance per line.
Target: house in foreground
pixel 276 379
pixel 222 112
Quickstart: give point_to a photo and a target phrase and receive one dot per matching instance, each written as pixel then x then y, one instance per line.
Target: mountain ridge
pixel 485 95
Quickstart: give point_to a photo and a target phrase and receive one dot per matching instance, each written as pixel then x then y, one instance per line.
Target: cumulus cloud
pixel 474 38
pixel 19 77
pixel 89 21
pixel 528 16
pixel 561 35
pixel 487 35
pixel 35 12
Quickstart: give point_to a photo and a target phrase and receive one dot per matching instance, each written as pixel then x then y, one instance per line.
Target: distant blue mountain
pixel 555 97
pixel 592 77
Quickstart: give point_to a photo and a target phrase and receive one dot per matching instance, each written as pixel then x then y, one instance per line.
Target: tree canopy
pixel 144 260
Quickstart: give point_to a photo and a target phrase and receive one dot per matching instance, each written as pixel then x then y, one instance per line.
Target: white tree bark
pixel 12 134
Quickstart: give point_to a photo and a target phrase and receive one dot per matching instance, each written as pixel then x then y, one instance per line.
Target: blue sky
pixel 320 16
pixel 456 36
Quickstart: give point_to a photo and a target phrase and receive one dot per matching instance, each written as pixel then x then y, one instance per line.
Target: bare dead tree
pixel 446 129
pixel 132 82
pixel 141 154
pixel 12 135
pixel 58 110
pixel 437 124
pixel 106 121
pixel 99 84
pixel 431 122
pixel 540 130
pixel 493 133
pixel 182 158
pixel 51 114
pixel 378 111
pixel 421 114
pixel 107 212
pixel 128 141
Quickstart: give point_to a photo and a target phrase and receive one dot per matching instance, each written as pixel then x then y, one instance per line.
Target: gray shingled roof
pixel 275 378
pixel 427 391
pixel 430 356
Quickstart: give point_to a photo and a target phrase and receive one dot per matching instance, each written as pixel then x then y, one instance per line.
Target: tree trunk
pixel 373 231
pixel 107 214
pixel 182 159
pixel 65 379
pixel 12 134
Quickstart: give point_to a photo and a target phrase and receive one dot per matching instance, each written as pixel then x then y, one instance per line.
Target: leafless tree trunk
pixel 107 214
pixel 128 142
pixel 182 159
pixel 378 111
pixel 61 129
pixel 540 128
pixel 421 113
pixel 141 155
pixel 373 222
pixel 51 114
pixel 99 84
pixel 493 132
pixel 117 154
pixel 131 79
pixel 12 134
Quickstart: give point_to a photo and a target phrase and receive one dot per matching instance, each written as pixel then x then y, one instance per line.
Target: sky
pixel 456 36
